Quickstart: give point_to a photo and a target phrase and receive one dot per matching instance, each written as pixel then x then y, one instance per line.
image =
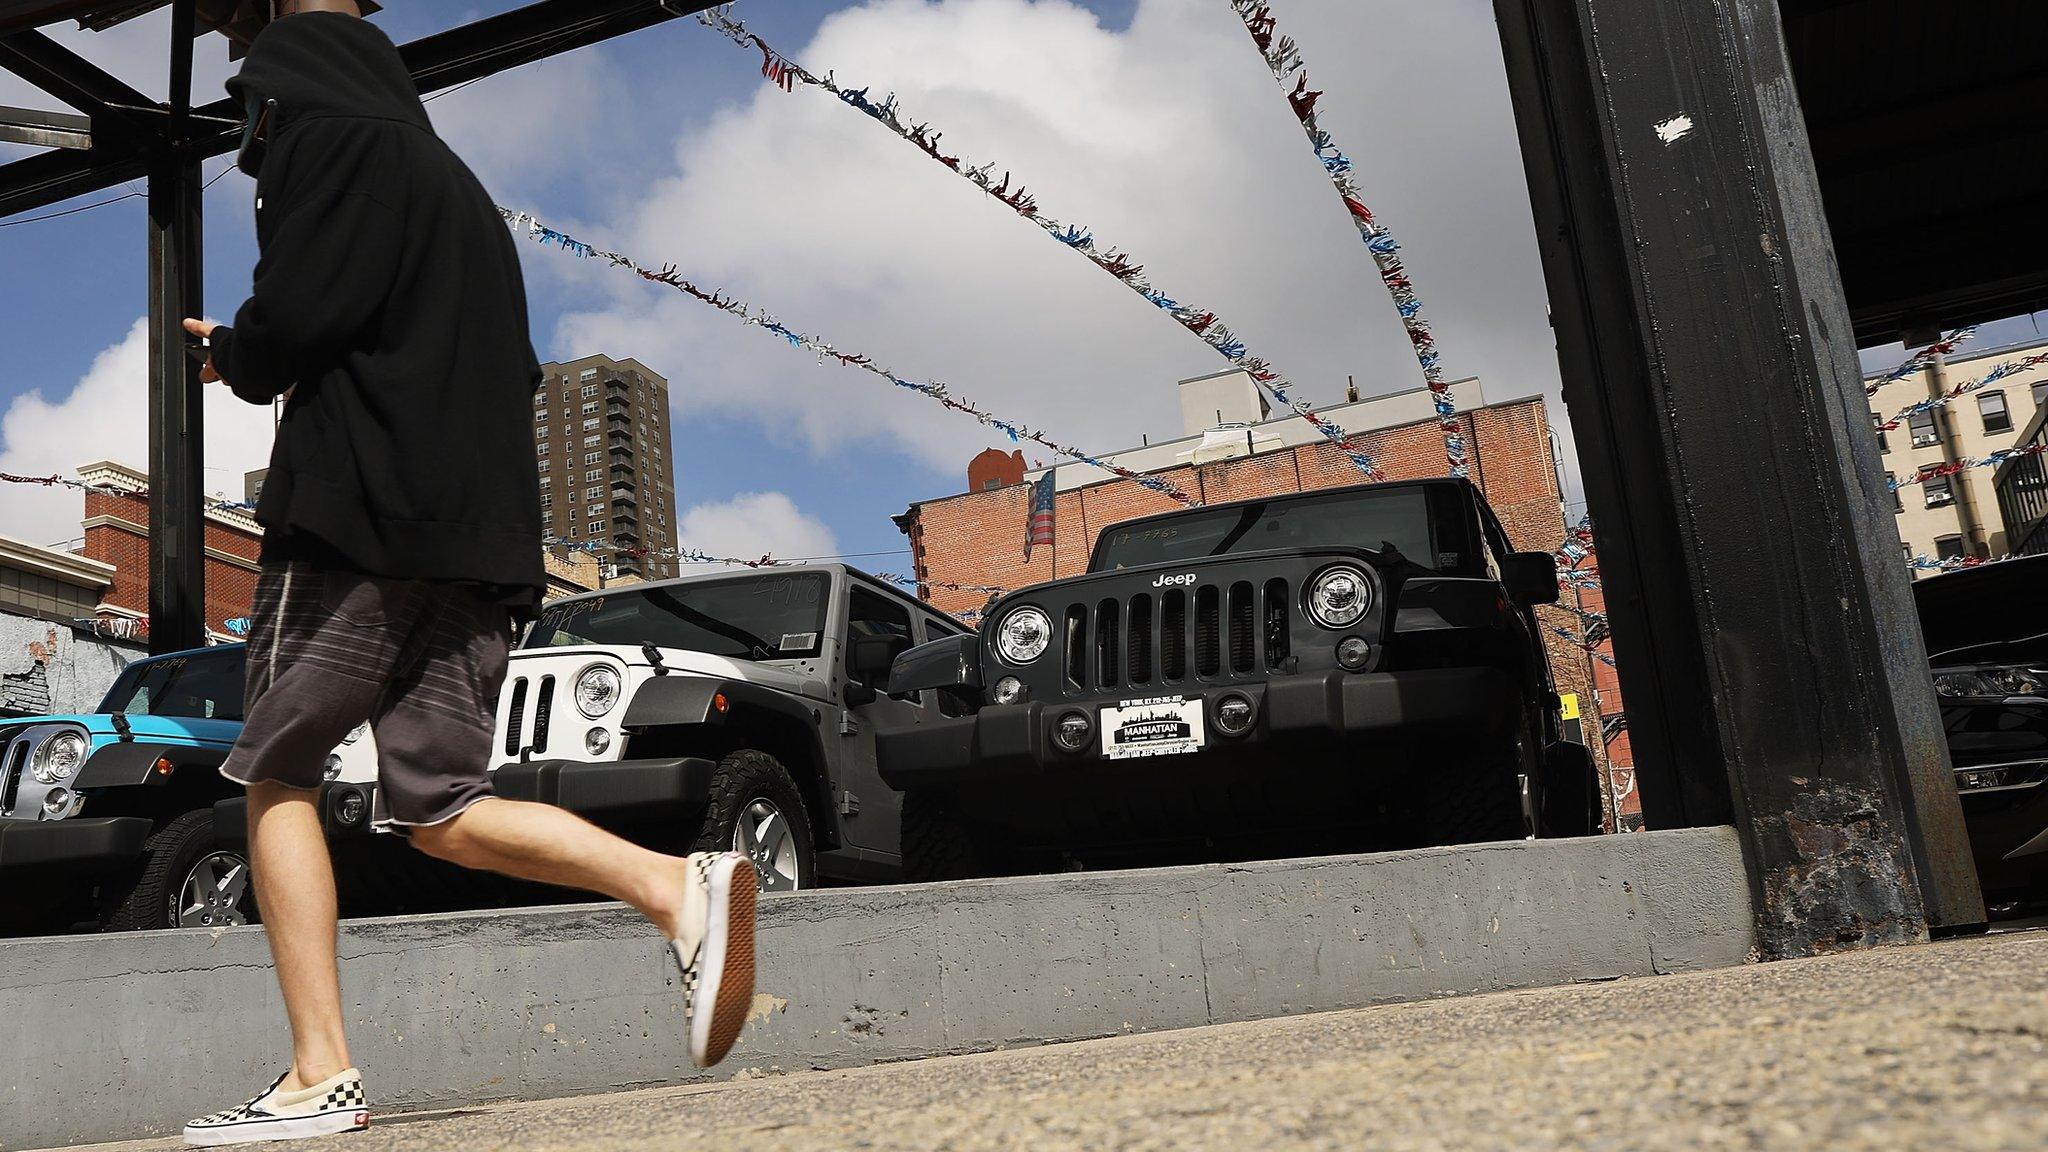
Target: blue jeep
pixel 111 817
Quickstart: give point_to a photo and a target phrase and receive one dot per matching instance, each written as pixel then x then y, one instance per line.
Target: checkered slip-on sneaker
pixel 715 953
pixel 335 1104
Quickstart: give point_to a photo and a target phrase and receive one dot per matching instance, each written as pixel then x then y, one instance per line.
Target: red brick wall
pixel 978 537
pixel 995 468
pixel 1607 702
pixel 230 589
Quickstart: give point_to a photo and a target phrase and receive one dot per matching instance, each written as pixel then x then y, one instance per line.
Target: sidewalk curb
pixel 127 1036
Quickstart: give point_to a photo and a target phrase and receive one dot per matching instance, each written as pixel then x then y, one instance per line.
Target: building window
pixel 593 493
pixel 592 457
pixel 590 408
pixel 1908 550
pixel 540 417
pixel 547 499
pixel 572 531
pixel 546 480
pixel 1991 406
pixel 593 512
pixel 594 475
pixel 590 424
pixel 1938 491
pixel 1876 422
pixel 1948 547
pixel 587 374
pixel 1892 482
pixel 589 390
pixel 592 441
pixel 543 468
pixel 598 529
pixel 2041 394
pixel 1924 429
pixel 542 448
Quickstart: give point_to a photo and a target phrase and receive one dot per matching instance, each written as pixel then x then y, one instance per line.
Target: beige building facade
pixel 601 442
pixel 1944 517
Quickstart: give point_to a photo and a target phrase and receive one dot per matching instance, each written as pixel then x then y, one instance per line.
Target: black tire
pixel 1479 800
pixel 938 845
pixel 145 896
pixel 1571 792
pixel 744 780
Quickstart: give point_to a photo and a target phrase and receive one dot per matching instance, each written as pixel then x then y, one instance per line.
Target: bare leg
pixel 548 845
pixel 285 843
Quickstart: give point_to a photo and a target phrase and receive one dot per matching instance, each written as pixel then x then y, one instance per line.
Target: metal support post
pixel 1762 621
pixel 177 520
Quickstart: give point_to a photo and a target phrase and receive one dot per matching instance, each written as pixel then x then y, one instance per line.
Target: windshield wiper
pixel 674 607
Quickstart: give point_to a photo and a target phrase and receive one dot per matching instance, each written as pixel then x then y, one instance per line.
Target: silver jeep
pixel 731 710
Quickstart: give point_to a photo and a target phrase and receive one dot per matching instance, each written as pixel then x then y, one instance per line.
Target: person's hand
pixel 204 330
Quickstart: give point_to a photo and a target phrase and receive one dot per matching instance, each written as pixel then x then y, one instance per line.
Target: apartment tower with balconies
pixel 607 481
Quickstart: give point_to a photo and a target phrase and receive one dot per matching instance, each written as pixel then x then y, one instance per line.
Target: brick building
pixel 977 537
pixel 117 533
pixel 601 442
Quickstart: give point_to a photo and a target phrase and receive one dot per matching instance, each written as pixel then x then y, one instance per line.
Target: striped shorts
pixel 421 661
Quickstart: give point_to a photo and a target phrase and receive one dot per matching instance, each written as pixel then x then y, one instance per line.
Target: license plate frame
pixel 1152 726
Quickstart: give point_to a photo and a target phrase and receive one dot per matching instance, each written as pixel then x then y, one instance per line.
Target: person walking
pixel 402 539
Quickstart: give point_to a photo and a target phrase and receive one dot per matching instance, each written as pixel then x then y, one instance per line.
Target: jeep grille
pixel 516 735
pixel 1236 630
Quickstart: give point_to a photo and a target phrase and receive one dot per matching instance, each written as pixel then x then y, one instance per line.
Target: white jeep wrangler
pixel 731 710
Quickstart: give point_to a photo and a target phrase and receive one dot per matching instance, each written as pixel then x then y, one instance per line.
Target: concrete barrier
pixel 113 1037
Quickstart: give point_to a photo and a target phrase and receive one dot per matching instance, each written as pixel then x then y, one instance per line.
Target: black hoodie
pixel 388 300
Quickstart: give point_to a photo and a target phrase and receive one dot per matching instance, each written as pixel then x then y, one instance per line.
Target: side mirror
pixel 1530 577
pixel 952 662
pixel 868 659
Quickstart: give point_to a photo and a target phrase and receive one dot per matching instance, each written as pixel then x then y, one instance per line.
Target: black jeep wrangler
pixel 1332 671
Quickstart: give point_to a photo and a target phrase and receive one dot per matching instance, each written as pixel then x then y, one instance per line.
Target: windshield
pixel 767 617
pixel 198 686
pixel 1378 519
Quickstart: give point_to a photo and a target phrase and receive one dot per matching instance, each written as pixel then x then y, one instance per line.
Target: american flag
pixel 1038 529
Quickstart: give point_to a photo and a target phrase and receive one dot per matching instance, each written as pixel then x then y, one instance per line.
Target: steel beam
pixel 1763 624
pixel 113 105
pixel 44 129
pixel 177 518
pixel 445 59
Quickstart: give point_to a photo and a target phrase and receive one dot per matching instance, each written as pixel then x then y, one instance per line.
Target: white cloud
pixel 752 523
pixel 104 416
pixel 1169 139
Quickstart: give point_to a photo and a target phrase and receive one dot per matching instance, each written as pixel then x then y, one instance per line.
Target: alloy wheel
pixel 215 891
pixel 763 836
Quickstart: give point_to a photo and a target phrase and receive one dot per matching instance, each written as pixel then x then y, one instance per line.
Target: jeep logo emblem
pixel 1174 581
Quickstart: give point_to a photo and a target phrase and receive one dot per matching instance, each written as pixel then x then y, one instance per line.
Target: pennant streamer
pixel 1920 360
pixel 2003 371
pixel 1951 467
pixel 783 72
pixel 548 237
pixel 693 556
pixel 1283 56
pixel 208 505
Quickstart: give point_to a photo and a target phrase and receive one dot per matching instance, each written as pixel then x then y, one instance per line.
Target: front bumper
pixel 345 810
pixel 1366 708
pixel 616 789
pixel 76 845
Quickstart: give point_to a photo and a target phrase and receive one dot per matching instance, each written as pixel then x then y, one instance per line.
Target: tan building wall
pixel 601 439
pixel 1961 516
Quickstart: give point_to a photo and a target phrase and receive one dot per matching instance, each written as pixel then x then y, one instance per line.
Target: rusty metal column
pixel 177 519
pixel 1763 624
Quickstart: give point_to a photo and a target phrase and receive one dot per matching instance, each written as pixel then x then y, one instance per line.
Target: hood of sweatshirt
pixel 327 64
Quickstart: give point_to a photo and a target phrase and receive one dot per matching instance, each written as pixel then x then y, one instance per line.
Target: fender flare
pixel 684 701
pixel 131 763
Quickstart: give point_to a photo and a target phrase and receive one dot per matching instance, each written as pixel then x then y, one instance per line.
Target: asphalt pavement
pixel 1937 1046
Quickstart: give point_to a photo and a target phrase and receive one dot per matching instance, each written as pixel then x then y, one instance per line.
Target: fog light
pixel 1353 652
pixel 349 809
pixel 1234 714
pixel 333 767
pixel 1071 733
pixel 57 802
pixel 596 741
pixel 1009 690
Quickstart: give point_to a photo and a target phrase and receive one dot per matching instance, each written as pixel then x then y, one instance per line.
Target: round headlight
pixel 1071 733
pixel 1338 597
pixel 1024 635
pixel 1234 714
pixel 58 757
pixel 597 690
pixel 57 803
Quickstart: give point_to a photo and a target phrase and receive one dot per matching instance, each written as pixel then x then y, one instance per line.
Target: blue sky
pixel 1150 120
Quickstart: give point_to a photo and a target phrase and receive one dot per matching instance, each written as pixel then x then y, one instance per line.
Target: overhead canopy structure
pixel 1930 134
pixel 115 134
